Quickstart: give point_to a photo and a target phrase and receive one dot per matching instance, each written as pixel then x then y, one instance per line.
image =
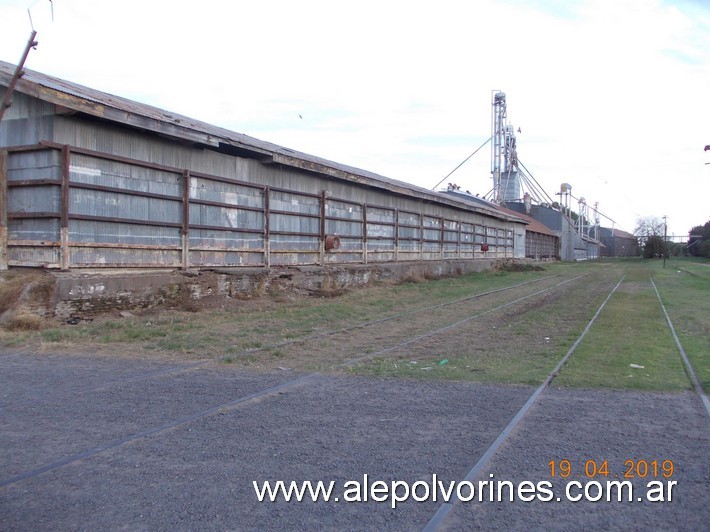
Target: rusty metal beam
pixel 185 248
pixel 267 226
pixel 3 210
pixel 64 211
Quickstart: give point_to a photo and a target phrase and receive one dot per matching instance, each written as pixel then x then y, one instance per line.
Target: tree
pixel 650 231
pixel 699 240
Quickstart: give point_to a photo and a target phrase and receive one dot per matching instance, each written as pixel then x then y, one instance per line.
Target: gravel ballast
pixel 198 473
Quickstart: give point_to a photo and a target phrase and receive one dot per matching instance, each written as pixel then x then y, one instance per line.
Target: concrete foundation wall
pixel 94 293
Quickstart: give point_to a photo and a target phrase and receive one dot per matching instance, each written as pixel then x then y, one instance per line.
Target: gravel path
pixel 198 473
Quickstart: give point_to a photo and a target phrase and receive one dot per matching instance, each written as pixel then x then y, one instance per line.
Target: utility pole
pixel 665 238
pixel 31 43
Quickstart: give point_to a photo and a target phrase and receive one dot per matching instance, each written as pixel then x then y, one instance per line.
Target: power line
pixel 461 164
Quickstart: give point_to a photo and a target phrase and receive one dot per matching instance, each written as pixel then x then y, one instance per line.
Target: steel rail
pixel 368 323
pixel 442 513
pixel 689 371
pixel 457 324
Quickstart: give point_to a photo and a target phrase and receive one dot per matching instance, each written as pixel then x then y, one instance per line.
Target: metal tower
pixel 504 156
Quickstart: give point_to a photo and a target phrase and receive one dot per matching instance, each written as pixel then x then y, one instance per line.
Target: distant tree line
pixel 650 232
pixel 699 240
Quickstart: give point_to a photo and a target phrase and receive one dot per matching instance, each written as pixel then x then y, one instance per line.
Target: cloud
pixel 610 96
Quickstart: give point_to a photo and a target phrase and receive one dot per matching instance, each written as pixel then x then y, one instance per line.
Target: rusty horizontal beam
pixel 33 264
pixel 226 229
pixel 116 245
pixel 33 182
pixel 211 249
pixel 137 265
pixel 294 233
pixel 233 206
pixel 33 243
pixel 26 215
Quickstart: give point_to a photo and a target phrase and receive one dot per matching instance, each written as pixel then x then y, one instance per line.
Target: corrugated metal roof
pixel 533 225
pixel 117 109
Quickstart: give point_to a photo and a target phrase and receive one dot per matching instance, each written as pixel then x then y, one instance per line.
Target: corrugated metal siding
pixel 130 213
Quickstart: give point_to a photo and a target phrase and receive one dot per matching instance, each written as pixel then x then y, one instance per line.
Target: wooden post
pixel 396 235
pixel 458 240
pixel 364 233
pixel 185 220
pixel 64 259
pixel 321 247
pixel 267 236
pixel 3 210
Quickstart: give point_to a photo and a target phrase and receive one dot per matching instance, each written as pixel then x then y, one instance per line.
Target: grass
pixel 261 324
pixel 632 331
pixel 628 347
pixel 684 287
pixel 519 344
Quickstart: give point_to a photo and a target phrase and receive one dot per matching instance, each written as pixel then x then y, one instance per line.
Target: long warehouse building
pixel 92 180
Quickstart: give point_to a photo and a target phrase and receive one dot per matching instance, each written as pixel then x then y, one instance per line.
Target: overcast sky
pixel 611 96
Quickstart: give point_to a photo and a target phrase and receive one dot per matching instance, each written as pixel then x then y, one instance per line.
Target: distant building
pixel 573 244
pixel 618 243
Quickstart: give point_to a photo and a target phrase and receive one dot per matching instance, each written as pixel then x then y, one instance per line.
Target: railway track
pixel 287 343
pixel 438 520
pixel 436 330
pixel 435 325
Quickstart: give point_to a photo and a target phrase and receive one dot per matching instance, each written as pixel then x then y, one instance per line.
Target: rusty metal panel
pixel 431 247
pixel 225 217
pixel 126 257
pixel 340 209
pixel 379 245
pixel 293 224
pixel 376 214
pixel 39 229
pixel 451 236
pixel 32 255
pixel 380 257
pixel 41 199
pixel 206 258
pixel 296 203
pixel 350 244
pixel 33 165
pixel 343 258
pixel 88 231
pixel 228 193
pixel 296 243
pixel 408 246
pixel 343 228
pixel 225 240
pixel 129 177
pixel 408 232
pixel 378 230
pixel 294 258
pixel 123 206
